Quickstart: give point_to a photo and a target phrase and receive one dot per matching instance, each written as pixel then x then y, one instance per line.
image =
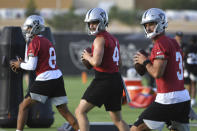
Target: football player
pixel 107 86
pixel 49 81
pixel 172 103
pixel 191 66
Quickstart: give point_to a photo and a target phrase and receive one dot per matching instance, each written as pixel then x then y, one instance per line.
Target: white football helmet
pixel 96 14
pixel 155 15
pixel 37 25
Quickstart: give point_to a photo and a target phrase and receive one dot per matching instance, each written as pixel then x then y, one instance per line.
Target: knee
pixel 62 108
pixel 79 111
pixel 23 107
pixel 117 122
pixel 133 128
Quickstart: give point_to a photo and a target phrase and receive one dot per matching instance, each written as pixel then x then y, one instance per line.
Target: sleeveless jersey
pixel 172 79
pixel 110 60
pixel 44 50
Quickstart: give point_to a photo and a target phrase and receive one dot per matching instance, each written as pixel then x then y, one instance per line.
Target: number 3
pixel 179 59
pixel 52 57
pixel 116 54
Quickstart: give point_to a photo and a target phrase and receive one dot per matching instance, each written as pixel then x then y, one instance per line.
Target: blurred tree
pixel 31 8
pixel 69 21
pixel 179 4
pixel 129 17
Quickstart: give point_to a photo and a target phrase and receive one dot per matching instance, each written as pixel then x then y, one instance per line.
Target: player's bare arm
pixel 96 58
pixel 157 69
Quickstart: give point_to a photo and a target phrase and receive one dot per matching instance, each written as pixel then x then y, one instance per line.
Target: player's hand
pixel 15 64
pixel 139 58
pixel 85 55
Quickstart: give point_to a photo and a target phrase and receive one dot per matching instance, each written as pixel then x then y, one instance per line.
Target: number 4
pixel 116 54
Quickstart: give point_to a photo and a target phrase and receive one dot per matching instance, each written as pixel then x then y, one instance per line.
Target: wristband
pixel 146 62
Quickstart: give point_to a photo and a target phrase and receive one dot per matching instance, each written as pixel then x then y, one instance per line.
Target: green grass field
pixel 75 90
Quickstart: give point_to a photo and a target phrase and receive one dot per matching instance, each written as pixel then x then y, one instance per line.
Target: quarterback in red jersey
pixel 107 86
pixel 172 103
pixel 49 83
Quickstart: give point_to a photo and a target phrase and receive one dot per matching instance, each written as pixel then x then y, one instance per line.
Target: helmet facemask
pixel 151 34
pixel 100 27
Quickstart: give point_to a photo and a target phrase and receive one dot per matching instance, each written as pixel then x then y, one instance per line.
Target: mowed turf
pixel 75 90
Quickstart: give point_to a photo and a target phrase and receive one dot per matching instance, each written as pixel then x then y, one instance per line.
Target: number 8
pixel 52 58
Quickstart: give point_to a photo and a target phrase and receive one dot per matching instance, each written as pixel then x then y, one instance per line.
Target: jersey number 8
pixel 52 58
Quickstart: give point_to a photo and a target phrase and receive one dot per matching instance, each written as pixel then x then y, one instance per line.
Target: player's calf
pixel 64 111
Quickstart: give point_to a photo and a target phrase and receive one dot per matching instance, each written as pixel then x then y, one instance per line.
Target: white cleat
pixel 193 102
pixel 65 127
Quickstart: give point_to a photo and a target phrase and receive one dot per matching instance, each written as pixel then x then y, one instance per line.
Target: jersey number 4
pixel 180 61
pixel 52 58
pixel 116 54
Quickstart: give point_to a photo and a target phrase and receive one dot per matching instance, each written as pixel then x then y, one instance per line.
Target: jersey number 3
pixel 52 57
pixel 180 61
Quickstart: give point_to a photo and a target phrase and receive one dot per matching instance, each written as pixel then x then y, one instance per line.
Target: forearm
pixel 30 64
pixel 94 62
pixel 151 70
pixel 156 69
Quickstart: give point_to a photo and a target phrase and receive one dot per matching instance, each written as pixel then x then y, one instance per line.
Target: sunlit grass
pixel 75 90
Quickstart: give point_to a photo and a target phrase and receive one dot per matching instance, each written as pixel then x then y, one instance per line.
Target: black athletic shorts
pixel 107 89
pixel 50 88
pixel 178 112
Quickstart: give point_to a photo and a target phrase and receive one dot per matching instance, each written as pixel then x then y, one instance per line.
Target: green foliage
pixel 129 17
pixel 31 8
pixel 68 21
pixel 179 4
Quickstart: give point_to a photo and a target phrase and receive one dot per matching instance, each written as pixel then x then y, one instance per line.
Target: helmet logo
pixel 162 16
pixel 36 22
pixel 103 16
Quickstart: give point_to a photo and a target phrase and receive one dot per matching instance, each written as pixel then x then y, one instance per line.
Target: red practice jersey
pixel 44 50
pixel 172 79
pixel 110 61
